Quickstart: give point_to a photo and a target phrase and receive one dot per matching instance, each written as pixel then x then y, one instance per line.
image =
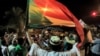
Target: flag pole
pixel 26 22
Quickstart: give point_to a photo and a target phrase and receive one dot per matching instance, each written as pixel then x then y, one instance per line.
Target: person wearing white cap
pixel 37 51
pixel 54 40
pixel 55 43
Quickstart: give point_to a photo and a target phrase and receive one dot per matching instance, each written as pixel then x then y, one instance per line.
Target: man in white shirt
pixel 37 51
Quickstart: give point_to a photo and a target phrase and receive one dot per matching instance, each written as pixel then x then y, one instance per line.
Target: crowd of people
pixel 51 41
pixel 92 41
pixel 13 45
pixel 54 41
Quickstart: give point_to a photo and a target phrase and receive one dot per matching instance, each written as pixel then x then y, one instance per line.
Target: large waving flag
pixel 51 12
pixel 44 12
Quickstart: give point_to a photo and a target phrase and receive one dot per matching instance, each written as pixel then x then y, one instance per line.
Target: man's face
pixel 57 33
pixel 46 33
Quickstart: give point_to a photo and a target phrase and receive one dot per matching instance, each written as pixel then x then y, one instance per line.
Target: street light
pixel 94 14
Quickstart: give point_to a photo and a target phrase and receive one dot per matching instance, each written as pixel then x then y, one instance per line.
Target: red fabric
pixel 79 28
pixel 52 8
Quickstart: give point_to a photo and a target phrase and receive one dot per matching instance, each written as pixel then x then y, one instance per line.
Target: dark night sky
pixel 83 9
pixel 80 8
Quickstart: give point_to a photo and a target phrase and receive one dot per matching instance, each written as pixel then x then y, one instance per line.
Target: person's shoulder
pixel 34 45
pixel 11 46
pixel 3 47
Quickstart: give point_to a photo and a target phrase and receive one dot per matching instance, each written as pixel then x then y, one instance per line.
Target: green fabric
pixel 35 16
pixel 18 47
pixel 21 49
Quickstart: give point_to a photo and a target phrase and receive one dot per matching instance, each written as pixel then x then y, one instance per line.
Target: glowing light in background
pixel 94 13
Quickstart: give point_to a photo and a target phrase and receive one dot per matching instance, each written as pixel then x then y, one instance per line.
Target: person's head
pixel 62 34
pixel 20 41
pixel 55 43
pixel 14 42
pixel 3 42
pixel 98 35
pixel 66 33
pixel 46 32
pixel 56 32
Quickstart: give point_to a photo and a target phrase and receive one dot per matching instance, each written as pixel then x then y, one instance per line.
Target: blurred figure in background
pixel 19 49
pixel 95 48
pixel 11 47
pixel 4 48
pixel 70 40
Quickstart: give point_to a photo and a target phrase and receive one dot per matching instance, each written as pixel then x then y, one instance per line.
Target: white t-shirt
pixel 11 47
pixel 3 49
pixel 37 51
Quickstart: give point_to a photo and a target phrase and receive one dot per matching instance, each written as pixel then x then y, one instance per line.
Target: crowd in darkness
pixel 50 39
pixel 13 45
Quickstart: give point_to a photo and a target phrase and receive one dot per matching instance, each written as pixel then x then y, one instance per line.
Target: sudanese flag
pixel 52 12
